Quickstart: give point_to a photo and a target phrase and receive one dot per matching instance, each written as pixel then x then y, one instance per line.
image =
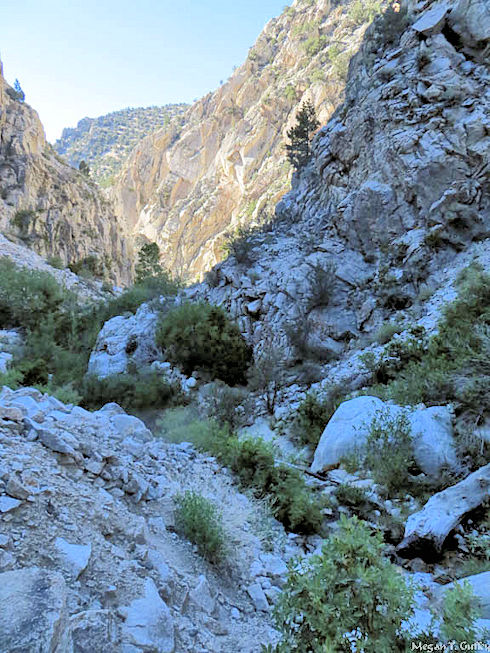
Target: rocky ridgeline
pixel 394 200
pixel 224 163
pixel 47 205
pixel 104 143
pixel 88 552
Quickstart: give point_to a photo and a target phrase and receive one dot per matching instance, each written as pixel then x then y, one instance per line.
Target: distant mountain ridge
pixel 105 142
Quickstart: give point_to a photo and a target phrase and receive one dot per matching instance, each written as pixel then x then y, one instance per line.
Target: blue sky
pixel 78 58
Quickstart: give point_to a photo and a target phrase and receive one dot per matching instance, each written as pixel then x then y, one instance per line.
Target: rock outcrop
pixel 104 143
pixel 349 427
pixel 89 557
pixel 225 165
pixel 49 206
pixel 362 229
pixel 427 530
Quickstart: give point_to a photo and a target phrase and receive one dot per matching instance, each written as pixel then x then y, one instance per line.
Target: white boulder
pixel 349 427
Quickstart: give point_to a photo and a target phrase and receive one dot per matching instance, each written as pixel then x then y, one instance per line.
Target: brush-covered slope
pixel 49 206
pixel 104 143
pixel 186 185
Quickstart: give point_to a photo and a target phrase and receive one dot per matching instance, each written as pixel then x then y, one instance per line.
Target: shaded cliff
pixel 49 206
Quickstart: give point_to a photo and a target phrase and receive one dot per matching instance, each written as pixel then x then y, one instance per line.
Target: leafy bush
pixel 56 262
pixel 349 597
pixel 239 244
pixel 22 220
pixel 364 11
pixel 88 267
pixel 386 332
pixel 26 296
pixel 225 405
pixel 453 365
pixel 252 460
pixel 339 60
pixel 459 614
pixel 200 521
pixel 314 44
pixel 390 25
pixel 350 495
pixel 321 285
pixel 388 453
pixel 132 392
pixel 479 560
pixel 313 415
pixel 201 336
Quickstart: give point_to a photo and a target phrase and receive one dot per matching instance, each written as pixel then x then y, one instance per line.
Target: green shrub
pixel 252 460
pixel 386 332
pixel 201 336
pixel 26 296
pixel 89 267
pixel 321 285
pixel 239 243
pixel 268 373
pixel 479 560
pixel 314 44
pixel 459 614
pixel 388 453
pixel 314 414
pixel 56 262
pixel 200 521
pixel 389 26
pixel 22 219
pixel 339 60
pixel 350 597
pixel 132 392
pixel 148 290
pixel 364 11
pixel 350 495
pixel 225 405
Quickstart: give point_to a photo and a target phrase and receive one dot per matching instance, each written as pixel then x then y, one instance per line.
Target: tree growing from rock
pixel 19 93
pixel 300 135
pixel 84 168
pixel 148 264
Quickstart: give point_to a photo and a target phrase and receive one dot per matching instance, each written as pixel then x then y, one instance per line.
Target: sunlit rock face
pixel 223 164
pixel 48 205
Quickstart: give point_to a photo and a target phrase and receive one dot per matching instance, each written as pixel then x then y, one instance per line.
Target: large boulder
pixel 148 622
pixel 427 530
pixel 349 427
pixel 33 614
pixel 470 19
pixel 124 339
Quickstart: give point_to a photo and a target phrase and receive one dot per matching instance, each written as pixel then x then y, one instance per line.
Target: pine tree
pixel 148 264
pixel 84 168
pixel 298 149
pixel 19 93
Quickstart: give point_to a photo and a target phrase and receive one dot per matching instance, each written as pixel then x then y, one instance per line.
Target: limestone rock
pixel 34 612
pixel 349 427
pixel 61 212
pixel 75 556
pixel 258 597
pixel 427 530
pixel 148 623
pixel 432 20
pixel 93 627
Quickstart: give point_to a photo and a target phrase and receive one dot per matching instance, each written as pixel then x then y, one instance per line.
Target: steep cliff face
pixel 104 143
pixel 49 206
pixel 185 186
pixel 395 199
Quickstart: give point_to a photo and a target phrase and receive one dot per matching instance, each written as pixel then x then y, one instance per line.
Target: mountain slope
pixel 49 206
pixel 105 142
pixel 185 186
